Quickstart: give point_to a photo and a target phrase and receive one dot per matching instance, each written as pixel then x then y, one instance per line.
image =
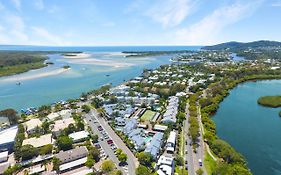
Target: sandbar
pixel 22 77
pixel 77 55
pixel 111 63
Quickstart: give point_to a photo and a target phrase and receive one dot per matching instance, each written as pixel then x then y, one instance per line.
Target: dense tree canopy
pixel 28 152
pixel 64 143
pixel 142 170
pixel 107 166
pixel 11 114
pixel 145 158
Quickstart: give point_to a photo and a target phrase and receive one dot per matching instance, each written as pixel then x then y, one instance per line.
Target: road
pixel 188 146
pixel 200 149
pixel 191 156
pixel 132 160
pixel 103 143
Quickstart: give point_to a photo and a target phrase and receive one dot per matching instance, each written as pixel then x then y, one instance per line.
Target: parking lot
pixel 105 143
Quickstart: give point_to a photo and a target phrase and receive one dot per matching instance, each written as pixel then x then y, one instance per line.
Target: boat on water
pixel 18 83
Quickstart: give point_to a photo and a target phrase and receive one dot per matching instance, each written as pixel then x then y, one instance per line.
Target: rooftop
pixel 76 153
pixel 62 124
pixel 79 135
pixel 3 154
pixel 72 164
pixel 33 123
pixel 38 142
pixel 8 135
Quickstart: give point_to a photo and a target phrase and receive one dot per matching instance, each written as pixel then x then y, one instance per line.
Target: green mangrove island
pixel 270 101
pixel 15 62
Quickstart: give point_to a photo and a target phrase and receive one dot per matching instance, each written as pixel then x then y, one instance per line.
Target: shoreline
pixel 21 72
pixel 237 82
pixel 76 55
pixel 210 114
pixel 94 61
pixel 35 76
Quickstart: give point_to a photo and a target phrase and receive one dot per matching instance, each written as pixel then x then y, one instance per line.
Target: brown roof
pixel 73 154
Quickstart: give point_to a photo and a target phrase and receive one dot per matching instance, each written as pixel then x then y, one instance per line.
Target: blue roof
pixel 154 147
pixel 132 124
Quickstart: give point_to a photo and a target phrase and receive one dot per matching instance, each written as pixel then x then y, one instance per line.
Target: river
pixel 105 65
pixel 253 130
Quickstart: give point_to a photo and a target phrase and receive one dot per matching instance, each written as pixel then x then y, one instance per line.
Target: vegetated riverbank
pixel 16 62
pixel 233 162
pixel 17 69
pixel 270 101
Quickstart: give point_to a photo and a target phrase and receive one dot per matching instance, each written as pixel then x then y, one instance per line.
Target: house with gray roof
pixel 72 155
pixel 132 124
pixel 155 145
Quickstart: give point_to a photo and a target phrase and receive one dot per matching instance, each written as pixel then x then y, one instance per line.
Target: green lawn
pixel 181 170
pixel 210 163
pixel 148 115
pixel 182 142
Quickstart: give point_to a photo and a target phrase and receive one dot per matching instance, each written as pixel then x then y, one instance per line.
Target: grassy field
pixel 209 163
pixel 182 142
pixel 270 101
pixel 147 116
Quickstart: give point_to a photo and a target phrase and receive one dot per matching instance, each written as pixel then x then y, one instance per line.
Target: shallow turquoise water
pixel 253 130
pixel 82 77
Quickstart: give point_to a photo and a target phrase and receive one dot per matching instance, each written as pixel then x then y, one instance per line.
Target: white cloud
pixel 170 13
pixel 47 37
pixel 276 4
pixel 17 4
pixel 16 27
pixel 3 37
pixel 39 4
pixel 208 29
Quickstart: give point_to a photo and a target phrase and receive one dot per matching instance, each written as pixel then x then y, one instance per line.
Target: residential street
pixel 188 146
pixel 191 157
pixel 103 143
pixel 132 160
pixel 200 149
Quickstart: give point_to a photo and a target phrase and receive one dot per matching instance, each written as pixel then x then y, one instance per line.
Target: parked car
pixel 109 142
pixel 100 128
pixel 200 162
pixel 113 147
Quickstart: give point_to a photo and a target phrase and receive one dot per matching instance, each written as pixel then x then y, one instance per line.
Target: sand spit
pixel 23 77
pixel 77 55
pixel 111 63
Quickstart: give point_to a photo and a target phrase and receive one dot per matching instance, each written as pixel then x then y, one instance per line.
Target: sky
pixel 137 22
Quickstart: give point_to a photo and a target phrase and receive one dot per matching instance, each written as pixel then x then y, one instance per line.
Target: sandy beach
pixel 111 63
pixel 77 55
pixel 118 54
pixel 22 77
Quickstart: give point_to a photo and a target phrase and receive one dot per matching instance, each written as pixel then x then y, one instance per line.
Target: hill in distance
pixel 234 46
